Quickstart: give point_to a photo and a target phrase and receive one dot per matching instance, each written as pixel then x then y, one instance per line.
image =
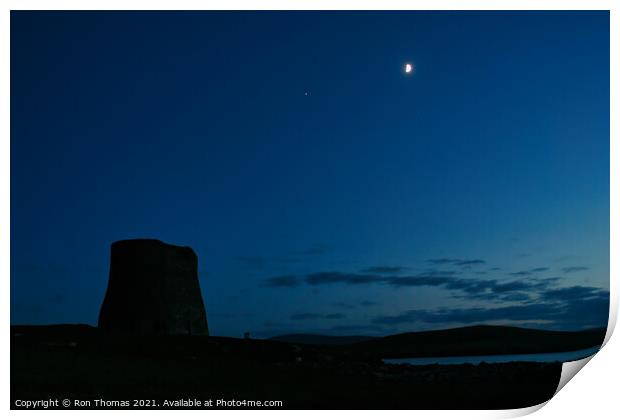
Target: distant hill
pixel 324 340
pixel 465 341
pixel 480 340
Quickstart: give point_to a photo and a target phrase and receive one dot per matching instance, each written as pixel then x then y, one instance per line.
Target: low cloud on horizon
pixel 526 299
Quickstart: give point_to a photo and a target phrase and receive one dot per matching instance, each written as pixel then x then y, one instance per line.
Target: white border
pixel 593 394
pixel 310 5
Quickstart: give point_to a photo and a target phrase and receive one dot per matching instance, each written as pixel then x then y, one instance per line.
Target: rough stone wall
pixel 153 289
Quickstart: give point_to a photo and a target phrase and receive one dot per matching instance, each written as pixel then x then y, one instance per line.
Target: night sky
pixel 323 189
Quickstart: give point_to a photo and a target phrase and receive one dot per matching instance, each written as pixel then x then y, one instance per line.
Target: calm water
pixel 503 358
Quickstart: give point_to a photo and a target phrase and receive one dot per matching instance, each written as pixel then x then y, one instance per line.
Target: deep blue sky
pixel 323 189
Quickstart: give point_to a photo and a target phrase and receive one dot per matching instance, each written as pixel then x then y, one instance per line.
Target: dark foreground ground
pixel 78 363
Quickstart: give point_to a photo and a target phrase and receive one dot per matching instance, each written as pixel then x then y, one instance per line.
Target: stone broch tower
pixel 153 290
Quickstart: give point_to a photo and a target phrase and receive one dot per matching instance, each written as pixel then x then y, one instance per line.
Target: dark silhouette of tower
pixel 153 289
